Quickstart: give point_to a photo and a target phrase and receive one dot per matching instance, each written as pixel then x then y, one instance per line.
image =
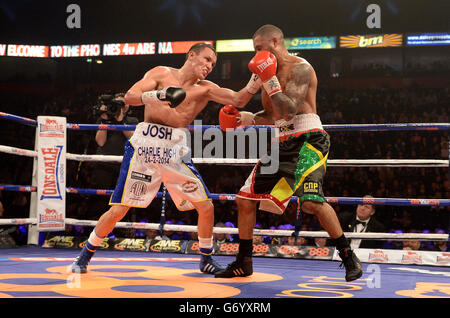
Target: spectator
pixel 291 240
pixel 362 221
pixel 221 237
pixel 440 246
pixel 320 241
pixel 413 245
pixel 151 234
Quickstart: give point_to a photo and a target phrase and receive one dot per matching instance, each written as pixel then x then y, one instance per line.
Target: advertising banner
pixel 84 50
pixel 3 49
pixel 406 257
pixel 373 40
pixel 178 47
pixel 26 50
pixel 242 45
pixel 308 43
pixel 115 49
pixel 149 48
pixel 51 173
pixel 428 39
pixel 386 256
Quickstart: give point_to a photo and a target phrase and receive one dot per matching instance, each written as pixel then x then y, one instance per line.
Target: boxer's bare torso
pixel 292 73
pixel 196 99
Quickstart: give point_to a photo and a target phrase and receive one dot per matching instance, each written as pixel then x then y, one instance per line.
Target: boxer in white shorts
pixel 154 154
pixel 172 99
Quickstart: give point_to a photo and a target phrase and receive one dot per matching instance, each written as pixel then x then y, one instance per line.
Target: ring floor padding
pixel 33 271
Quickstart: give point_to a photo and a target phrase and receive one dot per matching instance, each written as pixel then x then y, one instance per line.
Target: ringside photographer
pixel 110 109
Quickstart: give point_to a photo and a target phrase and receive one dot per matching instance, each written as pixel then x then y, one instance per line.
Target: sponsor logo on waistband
pixel 287 128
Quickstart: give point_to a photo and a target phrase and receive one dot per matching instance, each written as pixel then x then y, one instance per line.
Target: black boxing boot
pixel 353 268
pixel 243 265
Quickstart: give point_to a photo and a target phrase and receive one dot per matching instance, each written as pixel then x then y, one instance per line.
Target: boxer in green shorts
pixel 302 165
pixel 289 101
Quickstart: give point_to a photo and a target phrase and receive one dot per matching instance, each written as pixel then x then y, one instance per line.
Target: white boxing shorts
pixel 154 154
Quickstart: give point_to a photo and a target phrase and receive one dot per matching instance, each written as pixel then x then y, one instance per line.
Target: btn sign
pixel 366 41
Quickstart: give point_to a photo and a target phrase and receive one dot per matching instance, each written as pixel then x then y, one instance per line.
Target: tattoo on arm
pixel 288 102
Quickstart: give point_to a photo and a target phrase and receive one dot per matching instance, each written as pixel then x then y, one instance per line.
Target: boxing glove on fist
pixel 229 117
pixel 264 64
pixel 173 95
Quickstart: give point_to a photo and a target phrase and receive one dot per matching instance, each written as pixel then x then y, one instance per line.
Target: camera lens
pixel 113 108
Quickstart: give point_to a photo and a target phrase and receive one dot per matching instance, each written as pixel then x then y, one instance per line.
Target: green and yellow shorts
pixel 302 166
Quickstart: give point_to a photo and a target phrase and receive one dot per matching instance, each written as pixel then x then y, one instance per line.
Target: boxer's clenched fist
pixel 173 95
pixel 264 64
pixel 229 117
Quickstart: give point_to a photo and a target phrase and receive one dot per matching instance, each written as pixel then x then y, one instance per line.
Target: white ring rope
pixel 227 230
pixel 233 161
pixel 18 151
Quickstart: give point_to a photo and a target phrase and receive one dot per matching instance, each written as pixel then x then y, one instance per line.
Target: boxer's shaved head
pixel 268 31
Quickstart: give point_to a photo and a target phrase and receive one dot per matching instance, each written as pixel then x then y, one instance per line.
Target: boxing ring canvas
pixel 40 272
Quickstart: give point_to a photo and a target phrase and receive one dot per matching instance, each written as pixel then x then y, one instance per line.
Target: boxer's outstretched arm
pixel 147 83
pixel 292 98
pixel 226 96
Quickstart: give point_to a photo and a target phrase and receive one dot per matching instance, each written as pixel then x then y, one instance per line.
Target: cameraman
pixel 111 110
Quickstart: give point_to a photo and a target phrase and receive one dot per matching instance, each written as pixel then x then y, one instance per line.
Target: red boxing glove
pixel 229 117
pixel 264 64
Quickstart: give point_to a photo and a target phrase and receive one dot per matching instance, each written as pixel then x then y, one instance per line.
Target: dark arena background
pixel 383 70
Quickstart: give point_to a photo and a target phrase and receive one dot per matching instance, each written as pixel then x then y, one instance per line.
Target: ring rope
pixel 227 230
pixel 338 127
pixel 231 197
pixel 235 161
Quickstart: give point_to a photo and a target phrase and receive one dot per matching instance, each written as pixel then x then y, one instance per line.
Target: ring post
pixel 33 234
pixel 49 174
